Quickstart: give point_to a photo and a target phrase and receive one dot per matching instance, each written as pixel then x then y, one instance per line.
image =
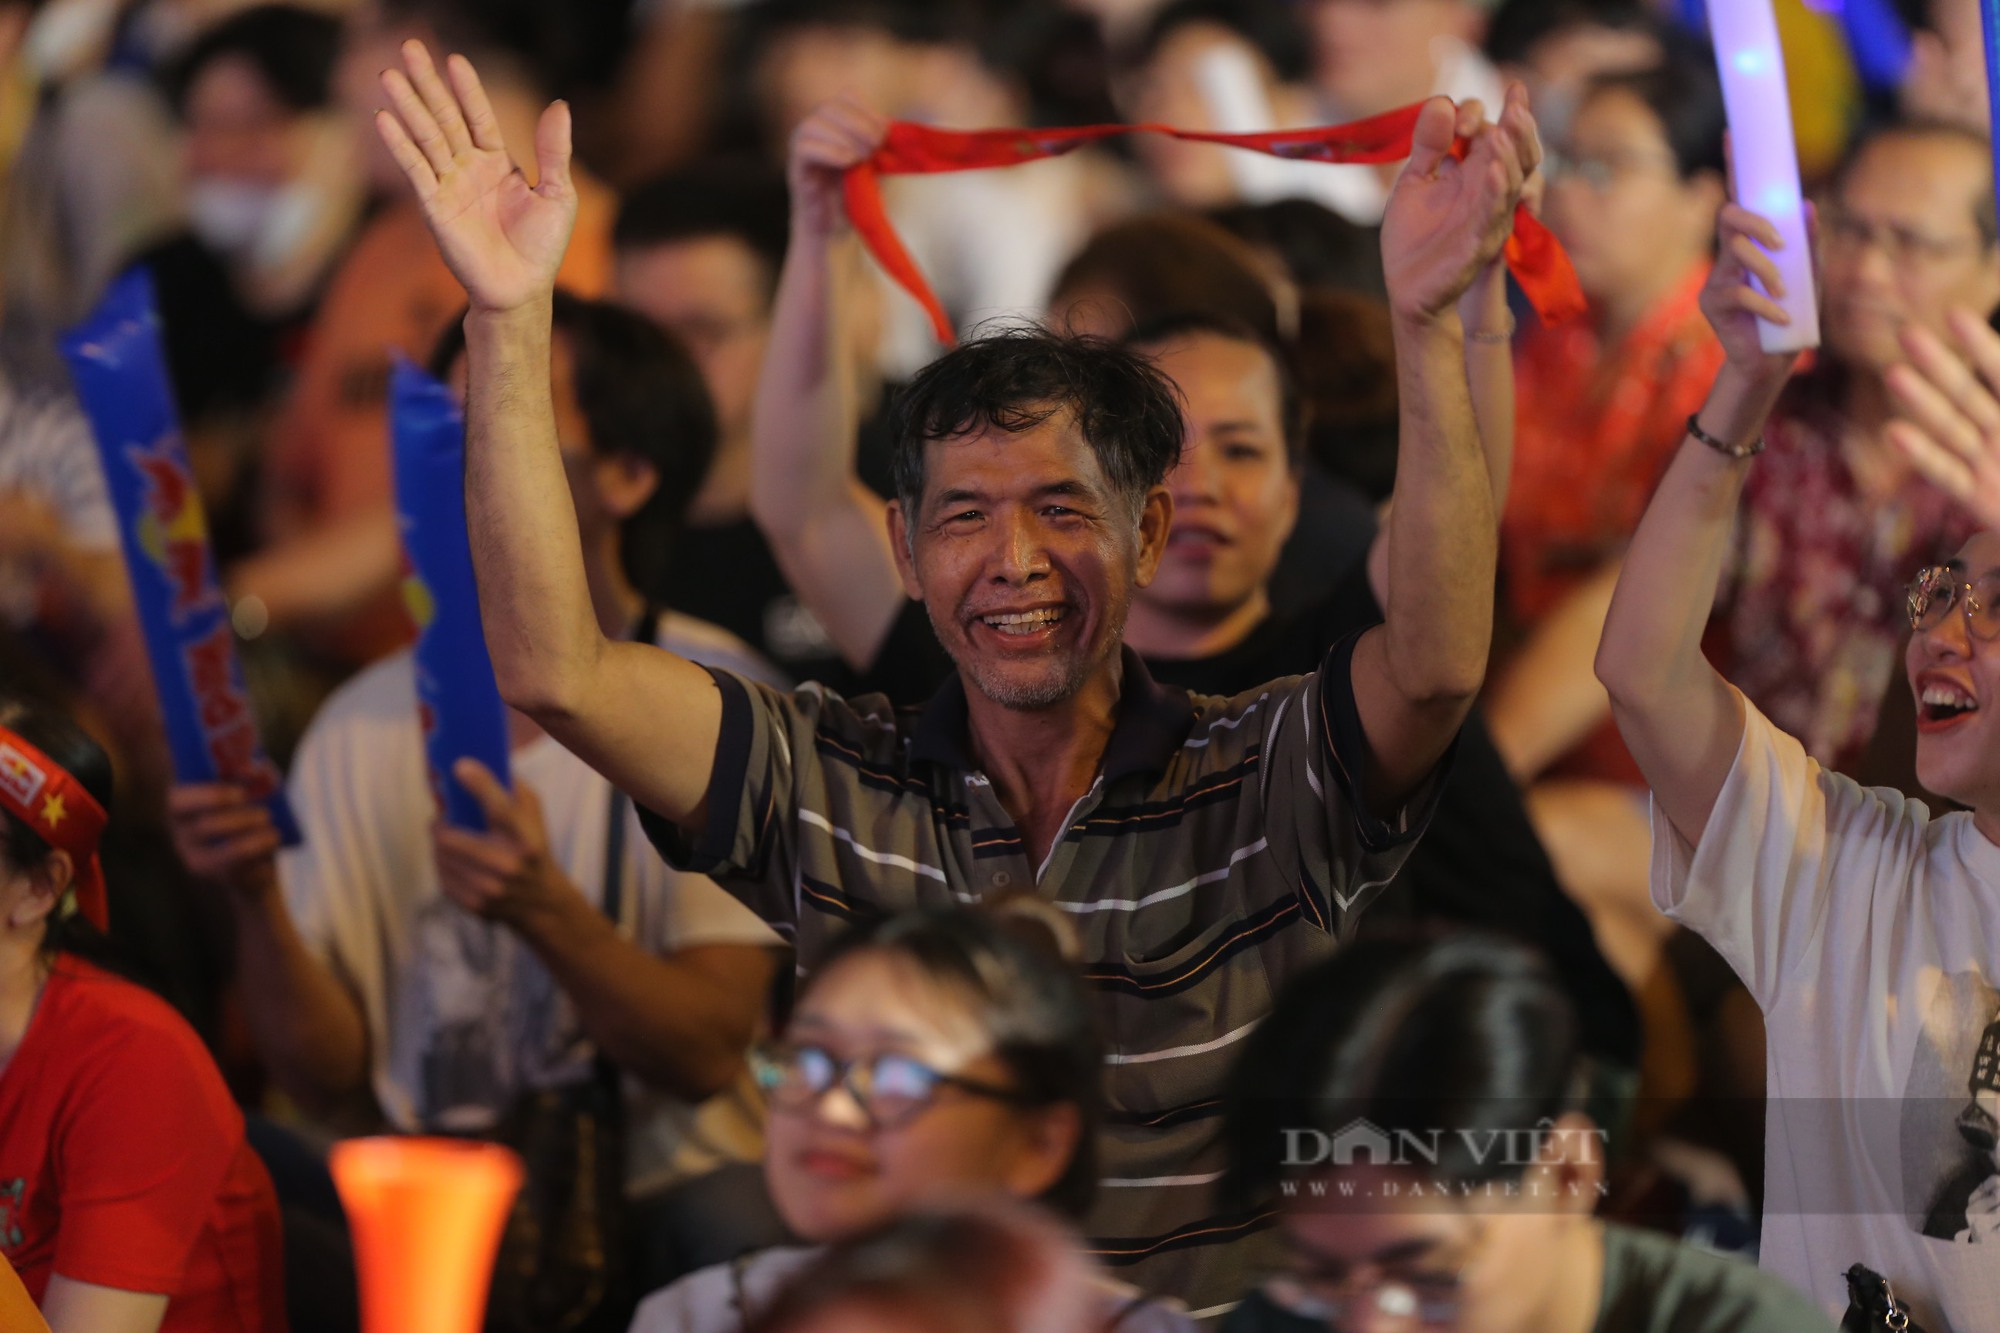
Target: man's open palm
pixel 502 238
pixel 1448 219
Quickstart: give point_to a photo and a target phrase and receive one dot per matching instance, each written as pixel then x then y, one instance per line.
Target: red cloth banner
pixel 45 796
pixel 1533 254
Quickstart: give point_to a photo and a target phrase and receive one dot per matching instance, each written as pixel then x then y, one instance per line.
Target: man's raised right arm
pixel 646 719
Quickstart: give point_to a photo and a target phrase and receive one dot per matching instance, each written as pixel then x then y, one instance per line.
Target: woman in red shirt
pixel 129 1200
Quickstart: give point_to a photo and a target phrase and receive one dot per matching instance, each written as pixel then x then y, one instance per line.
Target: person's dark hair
pixel 1518 26
pixel 1009 963
pixel 1017 378
pixel 1346 369
pixel 1196 324
pixel 1165 263
pixel 1274 29
pixel 1054 54
pixel 742 200
pixel 527 41
pixel 1685 96
pixel 68 745
pixel 1983 209
pixel 641 395
pixel 1318 247
pixel 1459 1037
pixel 929 21
pixel 984 1269
pixel 292 49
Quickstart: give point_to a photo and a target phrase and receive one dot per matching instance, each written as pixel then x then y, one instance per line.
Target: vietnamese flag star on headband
pixel 1533 255
pixel 48 799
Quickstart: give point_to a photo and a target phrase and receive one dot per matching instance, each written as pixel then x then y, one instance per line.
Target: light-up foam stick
pixel 1989 21
pixel 1767 160
pixel 426 1216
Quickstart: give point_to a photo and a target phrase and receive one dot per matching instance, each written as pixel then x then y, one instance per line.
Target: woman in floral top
pixel 1811 620
pixel 1812 623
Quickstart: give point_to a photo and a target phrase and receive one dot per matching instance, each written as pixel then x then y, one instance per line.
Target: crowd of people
pixel 1265 786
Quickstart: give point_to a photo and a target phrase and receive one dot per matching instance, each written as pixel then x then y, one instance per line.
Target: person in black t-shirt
pixel 1205 622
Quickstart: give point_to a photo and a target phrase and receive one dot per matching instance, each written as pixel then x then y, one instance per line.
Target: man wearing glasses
pixel 1867 929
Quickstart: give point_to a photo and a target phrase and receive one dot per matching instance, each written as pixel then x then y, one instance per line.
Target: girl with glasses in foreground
pixel 1407 1110
pixel 932 1058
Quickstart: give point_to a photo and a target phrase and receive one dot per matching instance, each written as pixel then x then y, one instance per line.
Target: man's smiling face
pixel 1026 557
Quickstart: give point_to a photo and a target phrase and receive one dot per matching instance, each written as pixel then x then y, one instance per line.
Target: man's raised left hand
pixel 1447 219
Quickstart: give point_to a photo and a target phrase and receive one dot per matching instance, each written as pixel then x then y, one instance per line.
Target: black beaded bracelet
pixel 1750 450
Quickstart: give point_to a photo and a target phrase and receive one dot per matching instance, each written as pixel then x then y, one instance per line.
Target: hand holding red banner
pixel 1533 255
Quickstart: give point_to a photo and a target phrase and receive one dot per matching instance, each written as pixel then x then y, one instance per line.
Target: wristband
pixel 1750 450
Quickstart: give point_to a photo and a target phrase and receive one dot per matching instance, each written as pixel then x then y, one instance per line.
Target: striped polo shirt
pixel 1224 845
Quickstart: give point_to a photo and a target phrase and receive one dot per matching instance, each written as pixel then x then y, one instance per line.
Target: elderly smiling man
pixel 1204 847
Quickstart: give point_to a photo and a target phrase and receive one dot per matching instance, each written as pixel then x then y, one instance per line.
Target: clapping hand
pixel 1447 219
pixel 1949 401
pixel 502 238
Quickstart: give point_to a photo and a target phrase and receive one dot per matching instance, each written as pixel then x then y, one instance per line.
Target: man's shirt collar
pixel 1152 724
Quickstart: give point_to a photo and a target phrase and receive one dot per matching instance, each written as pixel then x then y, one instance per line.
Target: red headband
pixel 1534 256
pixel 44 795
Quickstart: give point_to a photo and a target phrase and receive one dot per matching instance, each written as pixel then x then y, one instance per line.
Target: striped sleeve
pixel 747 843
pixel 1315 797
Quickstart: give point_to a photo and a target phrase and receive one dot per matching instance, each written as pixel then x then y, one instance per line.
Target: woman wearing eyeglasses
pixel 1866 927
pixel 932 1057
pixel 1409 1111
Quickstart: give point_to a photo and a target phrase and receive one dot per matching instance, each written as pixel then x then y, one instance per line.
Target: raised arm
pixel 1681 720
pixel 1489 338
pixel 1416 675
pixel 829 532
pixel 645 718
pixel 1489 372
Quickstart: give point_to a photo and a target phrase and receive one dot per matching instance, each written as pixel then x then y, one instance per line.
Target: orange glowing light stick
pixel 426 1215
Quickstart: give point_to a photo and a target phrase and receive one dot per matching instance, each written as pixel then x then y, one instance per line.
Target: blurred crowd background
pixel 229 147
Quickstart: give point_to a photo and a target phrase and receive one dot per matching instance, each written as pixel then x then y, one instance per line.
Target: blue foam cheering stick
pixel 459 703
pixel 120 373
